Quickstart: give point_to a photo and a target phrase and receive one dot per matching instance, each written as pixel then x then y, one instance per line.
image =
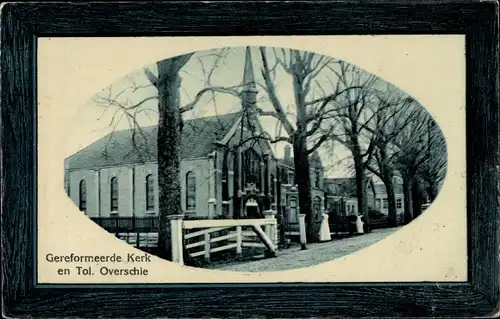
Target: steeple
pixel 249 89
pixel 248 77
pixel 249 92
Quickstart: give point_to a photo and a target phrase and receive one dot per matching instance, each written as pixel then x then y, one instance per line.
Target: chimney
pixel 288 154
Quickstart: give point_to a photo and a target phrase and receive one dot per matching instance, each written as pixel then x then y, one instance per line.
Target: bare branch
pixel 219 89
pixel 272 94
pixel 151 77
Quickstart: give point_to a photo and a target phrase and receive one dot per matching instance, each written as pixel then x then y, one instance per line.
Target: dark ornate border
pixel 22 23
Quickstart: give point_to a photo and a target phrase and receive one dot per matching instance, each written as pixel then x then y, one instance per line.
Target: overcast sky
pixel 228 72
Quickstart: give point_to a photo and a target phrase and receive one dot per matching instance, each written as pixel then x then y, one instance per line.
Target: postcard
pixel 272 159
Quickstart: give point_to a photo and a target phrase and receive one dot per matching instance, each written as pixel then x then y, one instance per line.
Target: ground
pixel 314 254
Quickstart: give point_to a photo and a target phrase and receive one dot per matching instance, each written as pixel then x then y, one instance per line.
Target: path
pixel 315 253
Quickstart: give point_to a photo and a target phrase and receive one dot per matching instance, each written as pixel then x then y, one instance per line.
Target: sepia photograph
pixel 254 159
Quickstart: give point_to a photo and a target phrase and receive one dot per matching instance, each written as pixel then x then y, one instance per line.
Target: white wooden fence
pixel 239 233
pixel 236 238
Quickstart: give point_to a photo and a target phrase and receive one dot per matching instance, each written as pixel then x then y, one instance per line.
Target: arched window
pixel 317 208
pixel 317 178
pixel 273 182
pixel 225 177
pixel 190 191
pixel 114 194
pixel 82 202
pixel 150 192
pixel 292 213
pixel 251 167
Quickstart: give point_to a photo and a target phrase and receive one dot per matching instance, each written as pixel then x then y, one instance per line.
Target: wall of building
pixel 204 189
pixel 379 202
pixel 91 178
pixel 124 174
pixel 351 206
pixel 132 188
pixel 140 193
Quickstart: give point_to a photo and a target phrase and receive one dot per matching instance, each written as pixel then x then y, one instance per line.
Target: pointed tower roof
pixel 248 76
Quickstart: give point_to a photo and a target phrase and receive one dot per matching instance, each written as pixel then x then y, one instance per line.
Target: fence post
pixel 271 230
pixel 302 227
pixel 324 233
pixel 177 238
pixel 239 241
pixel 207 247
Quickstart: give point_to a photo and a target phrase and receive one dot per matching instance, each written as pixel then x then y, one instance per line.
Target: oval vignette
pixel 252 153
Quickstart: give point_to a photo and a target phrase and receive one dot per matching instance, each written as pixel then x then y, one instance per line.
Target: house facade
pixel 341 196
pixel 382 203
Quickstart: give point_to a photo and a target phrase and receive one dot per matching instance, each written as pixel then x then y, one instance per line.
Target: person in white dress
pixel 359 224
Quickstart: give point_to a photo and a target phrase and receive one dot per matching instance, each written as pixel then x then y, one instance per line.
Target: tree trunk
pixel 169 135
pixel 432 191
pixel 387 178
pixel 416 198
pixel 407 190
pixel 391 201
pixel 301 163
pixel 360 185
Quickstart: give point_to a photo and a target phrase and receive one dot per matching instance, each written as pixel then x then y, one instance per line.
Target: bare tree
pixel 352 120
pixel 433 170
pixel 307 127
pixel 393 111
pixel 167 84
pixel 416 147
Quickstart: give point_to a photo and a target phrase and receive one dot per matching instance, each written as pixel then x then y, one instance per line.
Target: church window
pixel 82 204
pixel 317 178
pixel 150 192
pixel 272 184
pixel 190 191
pixel 251 165
pixel 114 194
pixel 225 176
pixel 292 217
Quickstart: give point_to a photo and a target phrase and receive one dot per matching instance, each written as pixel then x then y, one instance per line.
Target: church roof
pixel 140 146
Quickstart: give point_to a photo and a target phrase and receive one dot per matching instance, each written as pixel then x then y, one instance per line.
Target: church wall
pixel 91 180
pixel 140 174
pixel 204 190
pixel 125 191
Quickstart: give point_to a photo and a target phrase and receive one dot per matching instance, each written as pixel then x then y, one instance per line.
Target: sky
pixel 226 69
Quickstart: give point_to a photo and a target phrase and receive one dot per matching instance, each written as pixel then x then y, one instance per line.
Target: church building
pixel 226 170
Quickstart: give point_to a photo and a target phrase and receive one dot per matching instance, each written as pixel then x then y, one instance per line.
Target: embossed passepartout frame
pixel 23 23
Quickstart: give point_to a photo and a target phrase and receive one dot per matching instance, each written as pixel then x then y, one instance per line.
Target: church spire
pixel 248 77
pixel 249 92
pixel 249 89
